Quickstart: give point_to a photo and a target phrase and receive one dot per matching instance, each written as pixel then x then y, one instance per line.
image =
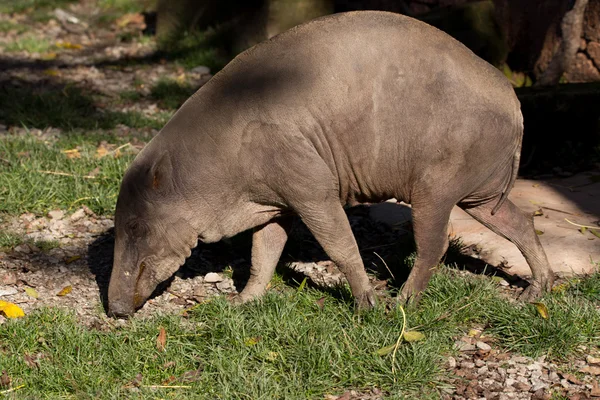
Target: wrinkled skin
pixel 350 108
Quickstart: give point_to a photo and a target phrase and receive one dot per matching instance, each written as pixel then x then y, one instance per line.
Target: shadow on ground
pixel 395 246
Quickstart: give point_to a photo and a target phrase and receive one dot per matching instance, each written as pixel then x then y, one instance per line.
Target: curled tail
pixel 514 172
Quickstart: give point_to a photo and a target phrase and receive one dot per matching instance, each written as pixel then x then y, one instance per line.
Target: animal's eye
pixel 135 228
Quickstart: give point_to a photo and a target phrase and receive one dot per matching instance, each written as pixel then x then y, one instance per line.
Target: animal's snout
pixel 117 309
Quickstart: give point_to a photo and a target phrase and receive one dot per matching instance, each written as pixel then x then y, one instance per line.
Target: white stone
pixel 56 214
pixel 212 277
pixel 483 346
pixel 9 291
pixel 451 362
pixel 77 215
pixel 201 69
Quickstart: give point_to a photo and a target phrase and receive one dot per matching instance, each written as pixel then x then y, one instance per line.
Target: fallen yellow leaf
pixel 101 151
pixel 542 310
pixel 69 45
pixel 71 259
pixel 413 336
pixel 31 292
pixel 48 56
pixel 386 350
pixel 65 291
pixel 474 332
pixel 51 72
pixel 73 153
pixel 11 310
pixel 252 341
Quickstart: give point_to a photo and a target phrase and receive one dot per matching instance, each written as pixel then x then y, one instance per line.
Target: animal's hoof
pixel 536 289
pixel 238 299
pixel 366 300
pixel 409 296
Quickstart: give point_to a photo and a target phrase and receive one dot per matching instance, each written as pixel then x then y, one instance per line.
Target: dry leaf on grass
pixel 73 153
pixel 191 376
pixel 252 341
pixel 542 310
pixel 161 340
pixel 4 380
pixel 413 336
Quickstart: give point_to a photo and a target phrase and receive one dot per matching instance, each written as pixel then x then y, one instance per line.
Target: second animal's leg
pixel 513 224
pixel 430 226
pixel 268 242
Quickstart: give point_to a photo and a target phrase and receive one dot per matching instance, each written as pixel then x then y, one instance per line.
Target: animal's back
pixel 384 99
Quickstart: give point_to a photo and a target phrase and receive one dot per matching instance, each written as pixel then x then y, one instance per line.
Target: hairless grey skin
pixel 348 108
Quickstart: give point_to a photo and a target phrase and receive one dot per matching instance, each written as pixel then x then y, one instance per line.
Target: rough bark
pixel 571 28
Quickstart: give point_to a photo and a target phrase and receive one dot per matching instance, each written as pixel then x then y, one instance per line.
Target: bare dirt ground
pixel 74 275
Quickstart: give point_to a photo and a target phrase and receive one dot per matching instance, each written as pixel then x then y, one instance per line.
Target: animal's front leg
pixel 267 245
pixel 327 221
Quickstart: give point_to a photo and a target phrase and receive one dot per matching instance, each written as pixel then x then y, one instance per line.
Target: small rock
pixel 509 382
pixel 503 282
pixel 590 370
pixel 201 69
pixel 8 291
pixel 536 374
pixel 483 370
pixel 483 346
pixel 534 366
pixel 479 363
pixel 199 293
pixel 522 386
pixel 541 395
pixel 463 346
pixel 56 214
pixel 77 215
pixel 8 278
pixel 595 389
pixel 553 377
pixel 537 385
pixel 23 248
pixel 467 365
pixel 593 360
pixel 451 362
pixel 212 277
pixel 224 285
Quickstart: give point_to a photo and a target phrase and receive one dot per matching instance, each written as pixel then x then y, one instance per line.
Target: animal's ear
pixel 160 173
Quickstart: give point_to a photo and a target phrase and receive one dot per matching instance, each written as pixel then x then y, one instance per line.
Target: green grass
pixel 286 345
pixel 194 49
pixel 170 93
pixel 65 107
pixel 30 44
pixel 46 245
pixel 27 186
pixel 9 240
pixel 125 6
pixel 20 6
pixel 6 26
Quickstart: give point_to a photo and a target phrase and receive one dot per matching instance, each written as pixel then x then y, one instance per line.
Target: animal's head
pixel 153 233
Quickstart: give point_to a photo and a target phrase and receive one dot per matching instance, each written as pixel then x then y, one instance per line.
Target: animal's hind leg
pixel 513 224
pixel 430 226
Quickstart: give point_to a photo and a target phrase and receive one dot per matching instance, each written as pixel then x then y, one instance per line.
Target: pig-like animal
pixel 349 108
